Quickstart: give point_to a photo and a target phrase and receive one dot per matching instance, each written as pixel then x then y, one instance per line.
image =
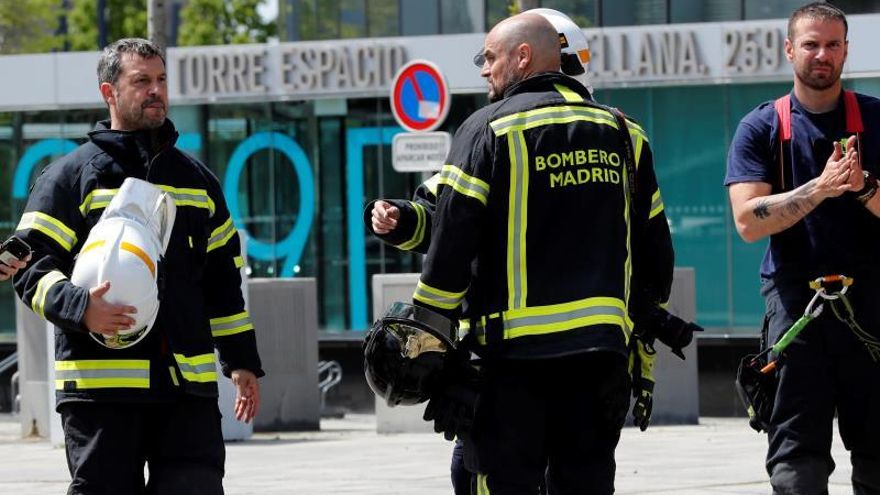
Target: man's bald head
pixel 517 48
pixel 536 32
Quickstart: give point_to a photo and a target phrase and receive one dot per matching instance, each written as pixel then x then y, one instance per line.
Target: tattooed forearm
pixel 789 208
pixel 762 209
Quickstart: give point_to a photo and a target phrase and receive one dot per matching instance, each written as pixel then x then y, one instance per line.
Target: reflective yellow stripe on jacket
pixel 221 235
pixel 463 183
pixel 419 234
pixel 656 204
pixel 201 368
pixel 541 320
pixel 231 325
pixel 438 298
pixel 100 198
pixel 50 226
pixel 102 373
pixel 557 114
pixel 38 301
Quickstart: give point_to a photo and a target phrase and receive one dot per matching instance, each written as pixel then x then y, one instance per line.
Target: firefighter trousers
pixel 558 417
pixel 825 371
pixel 108 444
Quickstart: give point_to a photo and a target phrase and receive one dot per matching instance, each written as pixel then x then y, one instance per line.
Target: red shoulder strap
pixel 783 110
pixel 853 114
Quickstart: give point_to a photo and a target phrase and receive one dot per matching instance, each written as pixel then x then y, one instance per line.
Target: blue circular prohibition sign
pixel 295 241
pixel 427 88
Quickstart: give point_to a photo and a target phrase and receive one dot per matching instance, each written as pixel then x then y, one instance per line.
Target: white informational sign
pixel 420 152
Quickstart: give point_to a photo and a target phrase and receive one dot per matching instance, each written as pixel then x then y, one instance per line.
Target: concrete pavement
pixel 719 456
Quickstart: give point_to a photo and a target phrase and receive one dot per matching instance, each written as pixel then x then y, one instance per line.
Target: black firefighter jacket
pixel 534 229
pixel 201 302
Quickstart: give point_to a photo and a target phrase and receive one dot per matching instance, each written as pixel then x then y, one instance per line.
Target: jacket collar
pixel 133 146
pixel 545 81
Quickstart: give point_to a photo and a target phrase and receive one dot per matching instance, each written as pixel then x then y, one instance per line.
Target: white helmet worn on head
pixel 124 248
pixel 573 44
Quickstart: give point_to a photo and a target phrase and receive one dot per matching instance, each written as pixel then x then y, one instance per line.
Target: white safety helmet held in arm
pixel 573 44
pixel 125 248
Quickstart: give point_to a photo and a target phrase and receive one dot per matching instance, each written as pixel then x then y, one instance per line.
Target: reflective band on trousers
pixel 201 368
pixel 556 318
pixel 230 325
pixel 102 373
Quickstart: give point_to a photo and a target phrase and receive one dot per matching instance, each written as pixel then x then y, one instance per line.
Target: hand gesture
pixel 104 317
pixel 857 176
pixel 247 394
pixel 384 217
pixel 842 171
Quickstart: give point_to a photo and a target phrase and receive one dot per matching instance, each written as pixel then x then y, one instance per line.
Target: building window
pixel 704 10
pixel 461 16
pixel 383 18
pixel 582 12
pixel 352 18
pixel 762 9
pixel 633 12
pixel 419 17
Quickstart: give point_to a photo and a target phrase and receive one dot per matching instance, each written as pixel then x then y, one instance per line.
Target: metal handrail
pixel 332 372
pixel 8 362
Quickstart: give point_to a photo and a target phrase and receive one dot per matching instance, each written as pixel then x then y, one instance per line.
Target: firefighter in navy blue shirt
pixel 812 192
pixel 534 224
pixel 156 401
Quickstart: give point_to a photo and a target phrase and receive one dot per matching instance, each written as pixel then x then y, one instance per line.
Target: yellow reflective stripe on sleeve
pixel 419 234
pixel 201 368
pixel 184 196
pixel 559 114
pixel 437 297
pixel 463 183
pixel 38 302
pixel 432 183
pixel 540 320
pixel 627 323
pixel 239 261
pixel 97 199
pixel 221 235
pixel 231 325
pixel 517 213
pixel 102 373
pixel 656 204
pixel 569 95
pixel 50 226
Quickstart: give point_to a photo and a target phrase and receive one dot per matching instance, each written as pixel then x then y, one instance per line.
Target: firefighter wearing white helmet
pixel 574 47
pixel 573 44
pixel 522 174
pixel 125 248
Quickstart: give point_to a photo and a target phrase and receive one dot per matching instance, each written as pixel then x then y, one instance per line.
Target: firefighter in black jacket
pixel 156 401
pixel 536 224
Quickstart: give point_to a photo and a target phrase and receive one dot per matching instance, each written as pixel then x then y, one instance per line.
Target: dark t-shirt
pixel 839 235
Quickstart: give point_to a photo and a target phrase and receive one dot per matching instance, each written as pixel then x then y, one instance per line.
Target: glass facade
pixel 360 18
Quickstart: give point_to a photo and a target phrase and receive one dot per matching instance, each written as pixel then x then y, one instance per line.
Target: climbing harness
pixel 756 378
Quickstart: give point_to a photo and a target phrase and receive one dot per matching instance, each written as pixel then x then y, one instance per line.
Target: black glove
pixel 658 323
pixel 643 391
pixel 454 399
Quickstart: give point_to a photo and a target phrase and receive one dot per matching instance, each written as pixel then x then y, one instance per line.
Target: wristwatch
pixel 869 190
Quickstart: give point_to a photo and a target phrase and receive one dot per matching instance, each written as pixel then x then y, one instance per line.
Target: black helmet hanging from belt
pixel 405 351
